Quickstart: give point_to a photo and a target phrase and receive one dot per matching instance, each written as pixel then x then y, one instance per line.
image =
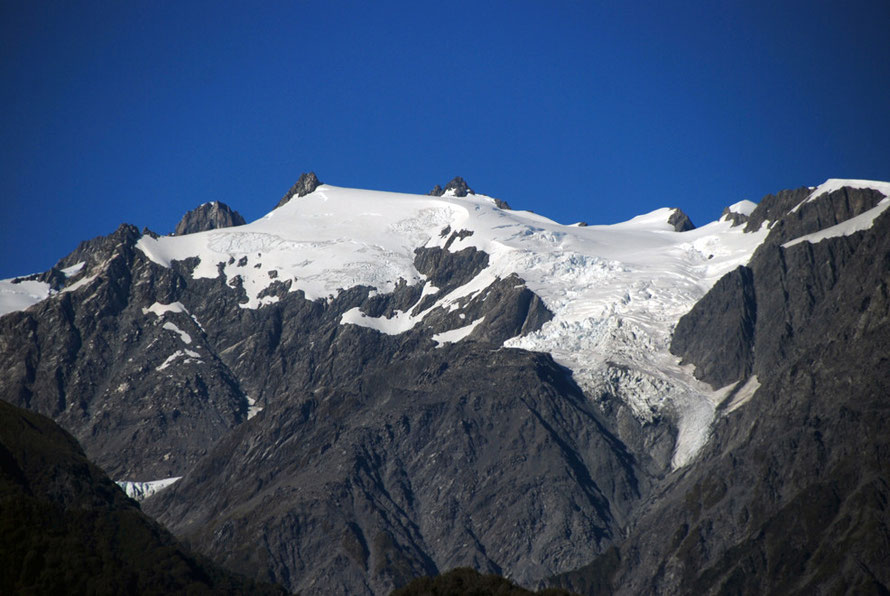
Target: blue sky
pixel 136 112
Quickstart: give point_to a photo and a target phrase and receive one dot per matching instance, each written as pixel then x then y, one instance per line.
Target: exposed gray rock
pixel 461 189
pixel 773 207
pixel 718 333
pixel 680 221
pixel 209 216
pixel 306 184
pixel 424 451
pixel 825 211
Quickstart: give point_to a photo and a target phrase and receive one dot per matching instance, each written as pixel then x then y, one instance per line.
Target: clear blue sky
pixel 136 112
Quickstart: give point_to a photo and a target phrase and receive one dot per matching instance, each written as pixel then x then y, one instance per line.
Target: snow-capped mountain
pixel 615 292
pixel 361 387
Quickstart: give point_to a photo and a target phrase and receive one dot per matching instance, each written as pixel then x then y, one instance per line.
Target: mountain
pixel 362 387
pixel 66 528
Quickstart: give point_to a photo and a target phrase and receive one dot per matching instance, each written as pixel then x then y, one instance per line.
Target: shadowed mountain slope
pixel 66 528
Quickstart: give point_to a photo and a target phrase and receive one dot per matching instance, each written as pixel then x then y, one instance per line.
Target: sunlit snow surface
pixel 21 295
pixel 743 207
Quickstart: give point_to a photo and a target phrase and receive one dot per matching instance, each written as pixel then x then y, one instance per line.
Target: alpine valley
pixel 362 388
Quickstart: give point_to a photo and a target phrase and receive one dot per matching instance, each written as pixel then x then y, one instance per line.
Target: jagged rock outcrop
pixel 209 216
pixel 680 221
pixel 790 494
pixel 773 207
pixel 735 217
pixel 460 188
pixel 305 184
pixel 65 527
pixel 457 184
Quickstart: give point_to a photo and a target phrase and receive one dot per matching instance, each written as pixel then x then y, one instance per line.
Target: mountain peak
pixel 209 216
pixel 306 184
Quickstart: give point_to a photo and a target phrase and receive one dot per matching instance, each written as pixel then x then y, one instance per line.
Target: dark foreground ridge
pixel 65 528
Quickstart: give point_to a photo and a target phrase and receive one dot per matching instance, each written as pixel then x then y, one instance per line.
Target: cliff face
pixel 790 494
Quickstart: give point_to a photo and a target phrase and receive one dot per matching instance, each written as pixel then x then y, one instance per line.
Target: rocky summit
pixel 209 216
pixel 363 388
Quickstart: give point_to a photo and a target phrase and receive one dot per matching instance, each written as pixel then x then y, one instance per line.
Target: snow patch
pixel 455 335
pixel 73 269
pixel 743 207
pixel 252 408
pixel 185 337
pixel 653 221
pixel 159 309
pixel 79 284
pixel 189 355
pixel 400 322
pixel 139 491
